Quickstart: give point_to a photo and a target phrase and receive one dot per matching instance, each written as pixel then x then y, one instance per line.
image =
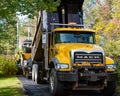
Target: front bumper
pixel 73 76
pixel 66 76
pixel 112 76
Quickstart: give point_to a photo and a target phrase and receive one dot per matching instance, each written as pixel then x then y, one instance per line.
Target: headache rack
pixel 72 24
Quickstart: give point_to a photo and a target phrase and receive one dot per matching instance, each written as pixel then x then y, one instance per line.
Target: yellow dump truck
pixel 25 56
pixel 64 52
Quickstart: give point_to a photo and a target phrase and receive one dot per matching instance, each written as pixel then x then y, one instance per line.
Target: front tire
pixel 110 89
pixel 27 75
pixel 55 85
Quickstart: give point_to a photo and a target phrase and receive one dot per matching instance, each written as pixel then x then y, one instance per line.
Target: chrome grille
pixel 92 57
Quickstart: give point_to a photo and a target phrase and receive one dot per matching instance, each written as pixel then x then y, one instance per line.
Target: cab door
pixel 51 48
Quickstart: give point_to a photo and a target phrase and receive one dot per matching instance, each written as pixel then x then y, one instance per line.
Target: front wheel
pixel 110 89
pixel 55 85
pixel 27 75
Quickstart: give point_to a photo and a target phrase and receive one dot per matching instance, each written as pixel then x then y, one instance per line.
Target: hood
pixel 63 50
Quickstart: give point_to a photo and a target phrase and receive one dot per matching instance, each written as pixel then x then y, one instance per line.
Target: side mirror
pixel 43 38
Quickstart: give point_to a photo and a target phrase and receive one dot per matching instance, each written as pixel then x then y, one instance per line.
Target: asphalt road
pixel 33 89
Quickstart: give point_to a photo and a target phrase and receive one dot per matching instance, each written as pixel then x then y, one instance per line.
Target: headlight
pixel 62 66
pixel 113 66
pixel 25 62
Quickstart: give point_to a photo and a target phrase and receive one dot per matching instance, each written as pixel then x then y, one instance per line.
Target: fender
pixel 109 60
pixel 54 62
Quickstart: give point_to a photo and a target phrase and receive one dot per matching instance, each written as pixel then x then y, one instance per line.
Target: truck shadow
pixel 82 93
pixel 85 93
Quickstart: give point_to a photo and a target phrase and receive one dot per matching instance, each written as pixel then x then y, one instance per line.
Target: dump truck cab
pixel 25 57
pixel 64 41
pixel 26 54
pixel 75 57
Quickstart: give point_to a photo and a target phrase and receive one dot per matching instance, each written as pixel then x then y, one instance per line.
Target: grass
pixel 10 87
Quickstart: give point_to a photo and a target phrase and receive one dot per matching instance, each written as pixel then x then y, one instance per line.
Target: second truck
pixel 64 52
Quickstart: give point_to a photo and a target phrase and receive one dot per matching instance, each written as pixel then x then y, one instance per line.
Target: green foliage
pixel 112 49
pixel 7 39
pixel 29 7
pixel 8 14
pixel 7 66
pixel 7 46
pixel 32 7
pixel 10 8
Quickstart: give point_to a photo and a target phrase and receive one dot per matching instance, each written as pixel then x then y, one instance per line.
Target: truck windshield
pixel 74 37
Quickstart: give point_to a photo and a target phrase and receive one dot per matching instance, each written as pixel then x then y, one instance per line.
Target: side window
pixel 57 38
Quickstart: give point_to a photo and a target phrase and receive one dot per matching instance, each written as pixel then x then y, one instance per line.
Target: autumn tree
pixel 106 18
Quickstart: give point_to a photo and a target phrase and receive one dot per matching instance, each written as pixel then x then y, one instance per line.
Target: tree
pixel 106 18
pixel 10 8
pixel 105 15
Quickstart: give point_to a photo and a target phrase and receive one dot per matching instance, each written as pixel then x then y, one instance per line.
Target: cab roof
pixel 74 29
